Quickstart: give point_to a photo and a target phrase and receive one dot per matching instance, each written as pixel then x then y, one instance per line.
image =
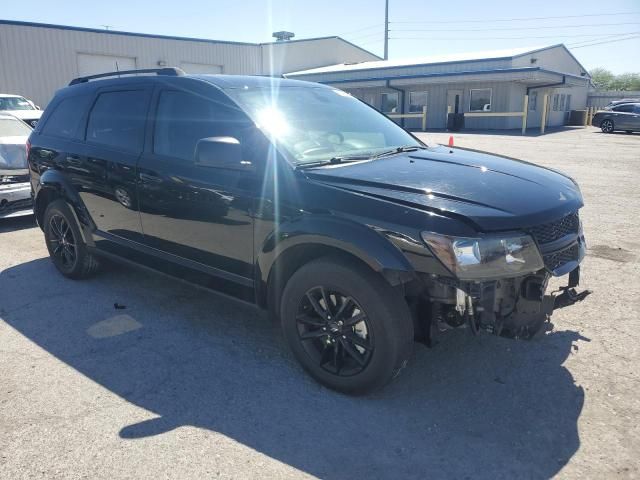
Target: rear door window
pixel 623 108
pixel 117 120
pixel 66 117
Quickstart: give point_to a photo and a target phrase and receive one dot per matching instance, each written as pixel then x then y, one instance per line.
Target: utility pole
pixel 386 29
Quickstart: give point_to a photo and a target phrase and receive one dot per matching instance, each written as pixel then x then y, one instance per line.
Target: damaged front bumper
pixel 516 307
pixel 15 198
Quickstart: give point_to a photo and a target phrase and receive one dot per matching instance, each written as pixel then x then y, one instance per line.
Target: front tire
pixel 347 327
pixel 64 242
pixel 607 126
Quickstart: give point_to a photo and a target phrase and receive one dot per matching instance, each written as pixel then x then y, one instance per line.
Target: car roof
pixel 252 81
pixel 220 81
pixel 10 95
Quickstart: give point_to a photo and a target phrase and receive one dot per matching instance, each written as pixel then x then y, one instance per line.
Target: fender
pixel 354 238
pixel 54 182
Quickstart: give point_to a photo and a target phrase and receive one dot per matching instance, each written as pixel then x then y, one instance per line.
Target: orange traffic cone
pixel 451 140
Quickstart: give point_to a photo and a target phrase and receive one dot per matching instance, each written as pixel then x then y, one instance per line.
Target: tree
pixel 603 79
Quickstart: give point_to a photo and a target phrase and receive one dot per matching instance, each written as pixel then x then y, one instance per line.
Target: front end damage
pixel 515 306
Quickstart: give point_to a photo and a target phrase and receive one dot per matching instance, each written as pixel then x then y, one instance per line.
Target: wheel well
pixel 290 261
pixel 45 197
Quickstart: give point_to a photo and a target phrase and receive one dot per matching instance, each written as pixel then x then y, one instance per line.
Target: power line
pixel 520 18
pixel 516 28
pixel 601 35
pixel 607 41
pixel 377 25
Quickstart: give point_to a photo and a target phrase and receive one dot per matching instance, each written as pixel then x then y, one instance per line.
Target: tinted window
pixel 10 127
pixel 623 108
pixel 184 118
pixel 66 117
pixel 117 120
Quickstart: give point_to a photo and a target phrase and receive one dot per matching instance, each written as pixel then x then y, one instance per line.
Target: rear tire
pixel 361 341
pixel 607 126
pixel 64 242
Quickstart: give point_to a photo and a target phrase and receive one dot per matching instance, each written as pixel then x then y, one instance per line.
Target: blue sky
pixel 418 27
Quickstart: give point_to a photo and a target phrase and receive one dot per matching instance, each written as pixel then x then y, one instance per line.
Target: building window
pixel 417 100
pixel 562 97
pixel 568 104
pixel 480 100
pixel 390 102
pixel 533 101
pixel 556 100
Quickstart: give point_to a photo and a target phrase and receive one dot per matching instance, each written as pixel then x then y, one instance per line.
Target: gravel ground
pixel 185 384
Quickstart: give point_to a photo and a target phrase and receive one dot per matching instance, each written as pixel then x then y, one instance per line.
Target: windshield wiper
pixel 402 149
pixel 333 161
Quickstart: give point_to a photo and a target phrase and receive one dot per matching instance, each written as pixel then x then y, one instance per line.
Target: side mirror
pixel 221 152
pixel 38 107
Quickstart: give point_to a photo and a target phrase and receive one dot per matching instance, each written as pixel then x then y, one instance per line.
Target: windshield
pixel 315 123
pixel 10 127
pixel 15 103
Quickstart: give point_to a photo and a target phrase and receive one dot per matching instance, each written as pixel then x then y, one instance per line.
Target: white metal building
pixel 483 84
pixel 37 59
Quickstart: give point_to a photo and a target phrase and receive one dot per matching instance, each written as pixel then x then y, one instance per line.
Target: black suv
pixel 355 235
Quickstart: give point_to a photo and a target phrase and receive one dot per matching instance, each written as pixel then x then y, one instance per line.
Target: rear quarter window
pixel 64 120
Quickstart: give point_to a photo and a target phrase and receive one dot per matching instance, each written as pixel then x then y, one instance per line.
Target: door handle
pixel 146 178
pixel 73 160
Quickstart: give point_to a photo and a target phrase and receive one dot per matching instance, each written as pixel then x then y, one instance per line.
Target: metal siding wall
pixel 282 57
pixel 556 59
pixel 501 101
pixel 36 61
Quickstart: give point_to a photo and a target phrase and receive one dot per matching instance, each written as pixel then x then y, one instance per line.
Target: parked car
pixel 15 190
pixel 625 117
pixel 620 102
pixel 21 108
pixel 355 235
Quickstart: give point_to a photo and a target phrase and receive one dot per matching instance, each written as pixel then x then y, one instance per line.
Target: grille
pixel 557 259
pixel 550 232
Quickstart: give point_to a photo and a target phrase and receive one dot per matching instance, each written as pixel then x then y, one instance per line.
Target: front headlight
pixel 498 256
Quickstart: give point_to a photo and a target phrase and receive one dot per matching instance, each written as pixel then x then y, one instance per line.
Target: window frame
pixel 471 90
pixel 145 89
pixel 555 103
pixel 386 94
pixel 419 92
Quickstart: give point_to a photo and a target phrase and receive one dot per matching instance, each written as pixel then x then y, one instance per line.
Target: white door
pixel 201 68
pixel 91 64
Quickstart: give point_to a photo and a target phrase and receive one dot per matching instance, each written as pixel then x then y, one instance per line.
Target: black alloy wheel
pixel 65 243
pixel 348 328
pixel 334 331
pixel 62 243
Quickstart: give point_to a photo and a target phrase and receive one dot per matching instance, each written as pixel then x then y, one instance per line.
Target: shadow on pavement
pixel 469 408
pixel 17 223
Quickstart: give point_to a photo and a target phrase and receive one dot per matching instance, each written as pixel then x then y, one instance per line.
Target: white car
pixel 21 108
pixel 15 190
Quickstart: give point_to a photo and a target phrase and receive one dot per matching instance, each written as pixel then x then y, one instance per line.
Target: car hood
pixel 25 114
pixel 13 153
pixel 493 192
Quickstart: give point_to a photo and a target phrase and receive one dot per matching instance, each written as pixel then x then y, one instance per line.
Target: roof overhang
pixel 529 76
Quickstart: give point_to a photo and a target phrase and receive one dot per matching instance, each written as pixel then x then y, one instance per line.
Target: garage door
pixel 203 68
pixel 90 64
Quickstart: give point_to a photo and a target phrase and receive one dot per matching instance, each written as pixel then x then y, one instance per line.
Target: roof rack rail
pixel 168 71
